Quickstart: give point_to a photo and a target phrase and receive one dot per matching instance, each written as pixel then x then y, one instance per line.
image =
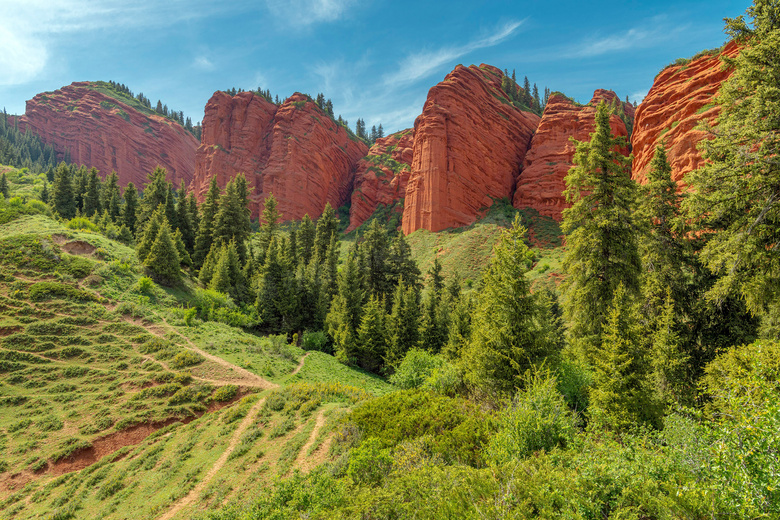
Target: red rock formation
pixel 547 162
pixel 294 151
pixel 469 144
pixel 680 99
pixel 381 176
pixel 102 132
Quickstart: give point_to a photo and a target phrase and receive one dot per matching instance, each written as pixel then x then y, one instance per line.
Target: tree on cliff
pixel 737 193
pixel 600 232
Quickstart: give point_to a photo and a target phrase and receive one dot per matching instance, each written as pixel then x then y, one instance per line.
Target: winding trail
pixel 190 497
pixel 301 459
pixel 300 365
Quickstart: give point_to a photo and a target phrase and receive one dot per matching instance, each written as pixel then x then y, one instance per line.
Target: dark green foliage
pixel 163 259
pixel 403 323
pixel 205 236
pixel 372 341
pixel 63 201
pixel 736 195
pixel 92 204
pixel 24 149
pixel 231 220
pixel 130 209
pixel 4 189
pixel 510 329
pixel 155 194
pixel 601 236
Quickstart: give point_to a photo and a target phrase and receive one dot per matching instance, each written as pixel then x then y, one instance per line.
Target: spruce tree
pixel 736 194
pixel 181 248
pixel 149 235
pixel 92 194
pixel 4 189
pixel 400 263
pixel 184 219
pixel 622 396
pixel 327 225
pixel 63 201
pixel 205 235
pixel 507 337
pixel 345 312
pixel 163 259
pixel 155 193
pixel 111 191
pixel 269 223
pixel 375 246
pixel 220 281
pixel 80 177
pixel 130 209
pixel 45 192
pixel 306 232
pixel 372 336
pixel 404 322
pixel 601 244
pixel 231 221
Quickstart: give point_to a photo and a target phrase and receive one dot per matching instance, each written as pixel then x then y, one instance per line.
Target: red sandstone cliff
pixel 294 151
pixel 547 162
pixel 381 176
pixel 469 144
pixel 680 99
pixel 102 132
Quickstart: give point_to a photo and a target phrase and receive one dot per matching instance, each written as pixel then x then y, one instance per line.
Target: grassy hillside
pixel 117 403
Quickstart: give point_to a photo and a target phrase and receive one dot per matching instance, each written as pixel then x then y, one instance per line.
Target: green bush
pixel 415 368
pixel 458 429
pixel 186 358
pixel 316 340
pixel 225 393
pixel 45 290
pixel 82 223
pixel 537 419
pixel 369 463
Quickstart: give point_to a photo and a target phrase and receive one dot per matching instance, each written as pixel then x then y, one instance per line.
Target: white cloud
pixel 423 64
pixel 203 63
pixel 656 32
pixel 638 96
pixel 31 28
pixel 303 13
pixel 22 58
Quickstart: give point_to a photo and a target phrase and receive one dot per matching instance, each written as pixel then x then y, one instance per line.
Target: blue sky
pixel 375 59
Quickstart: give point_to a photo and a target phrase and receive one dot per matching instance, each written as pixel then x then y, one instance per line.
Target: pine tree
pixel 345 312
pixel 507 337
pixel 400 263
pixel 92 194
pixel 327 225
pixel 404 322
pixel 736 194
pixel 4 189
pixel 45 192
pixel 527 99
pixel 270 223
pixel 184 219
pixel 220 281
pixel 155 193
pixel 63 201
pixel 375 246
pixel 372 336
pixel 306 232
pixel 111 190
pixel 130 209
pixel 205 235
pixel 80 187
pixel 149 235
pixel 621 396
pixel 163 259
pixel 433 327
pixel 601 236
pixel 181 248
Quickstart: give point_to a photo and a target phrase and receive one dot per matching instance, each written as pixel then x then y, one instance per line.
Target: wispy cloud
pixel 658 31
pixel 31 28
pixel 203 63
pixel 423 64
pixel 303 13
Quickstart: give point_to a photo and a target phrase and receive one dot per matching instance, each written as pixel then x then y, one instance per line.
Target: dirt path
pixel 198 489
pixel 300 364
pixel 300 461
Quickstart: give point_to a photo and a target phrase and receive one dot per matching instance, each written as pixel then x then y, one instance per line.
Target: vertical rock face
pixel 382 176
pixel 295 151
pixel 104 132
pixel 547 162
pixel 469 144
pixel 680 99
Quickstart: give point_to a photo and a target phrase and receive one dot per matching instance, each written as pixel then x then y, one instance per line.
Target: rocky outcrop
pixel 102 131
pixel 541 183
pixel 679 101
pixel 382 176
pixel 469 143
pixel 295 151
